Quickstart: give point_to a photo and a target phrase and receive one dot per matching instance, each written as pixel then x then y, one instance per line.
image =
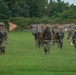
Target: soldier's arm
pixel 6 36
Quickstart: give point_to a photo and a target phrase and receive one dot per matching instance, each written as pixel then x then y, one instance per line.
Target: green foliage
pixel 37 11
pixel 65 14
pixel 20 8
pixel 45 20
pixel 58 7
pixel 35 20
pixel 4 10
pixel 21 22
pixel 36 7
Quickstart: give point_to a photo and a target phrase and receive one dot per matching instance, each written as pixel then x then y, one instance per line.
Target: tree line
pixel 37 11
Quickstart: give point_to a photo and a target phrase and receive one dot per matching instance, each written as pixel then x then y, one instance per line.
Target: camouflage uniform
pixel 37 38
pixel 46 40
pixel 74 38
pixel 4 39
pixel 60 36
pixel 70 31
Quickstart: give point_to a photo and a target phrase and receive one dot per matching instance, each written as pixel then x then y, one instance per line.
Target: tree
pixel 36 7
pixel 72 10
pixel 58 7
pixel 4 10
pixel 20 8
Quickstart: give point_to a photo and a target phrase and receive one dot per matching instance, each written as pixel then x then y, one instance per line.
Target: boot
pixel 45 51
pixel 0 51
pixel 3 50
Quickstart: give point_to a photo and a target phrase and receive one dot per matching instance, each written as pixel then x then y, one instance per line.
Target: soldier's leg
pixel 74 42
pixel 3 50
pixel 0 49
pixel 44 46
pixel 39 43
pixel 45 50
pixel 36 42
pixel 58 44
pixel 75 46
pixel 48 47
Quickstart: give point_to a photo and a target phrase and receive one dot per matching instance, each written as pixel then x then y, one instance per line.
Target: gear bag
pixel 47 34
pixel 1 37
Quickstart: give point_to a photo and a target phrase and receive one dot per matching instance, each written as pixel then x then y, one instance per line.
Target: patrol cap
pixel 2 24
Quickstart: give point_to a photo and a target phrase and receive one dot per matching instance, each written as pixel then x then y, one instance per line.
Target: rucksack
pixel 47 34
pixel 41 35
pixel 1 37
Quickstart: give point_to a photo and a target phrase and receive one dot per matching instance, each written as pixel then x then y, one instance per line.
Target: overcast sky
pixel 70 1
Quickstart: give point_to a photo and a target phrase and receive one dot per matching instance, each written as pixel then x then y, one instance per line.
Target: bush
pixel 45 20
pixel 35 20
pixel 24 23
pixel 21 22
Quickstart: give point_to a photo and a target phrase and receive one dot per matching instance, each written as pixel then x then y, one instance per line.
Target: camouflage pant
pixel 2 47
pixel 38 42
pixel 46 46
pixel 60 43
pixel 2 50
pixel 74 42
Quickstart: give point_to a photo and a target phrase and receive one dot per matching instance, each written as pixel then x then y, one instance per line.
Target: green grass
pixel 24 58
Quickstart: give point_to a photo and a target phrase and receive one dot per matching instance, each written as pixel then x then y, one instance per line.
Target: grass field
pixel 24 58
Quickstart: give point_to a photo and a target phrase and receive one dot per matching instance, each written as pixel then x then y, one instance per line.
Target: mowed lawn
pixel 24 58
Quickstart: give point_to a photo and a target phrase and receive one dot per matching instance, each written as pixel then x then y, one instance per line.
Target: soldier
pixel 70 32
pixel 46 40
pixel 74 38
pixel 37 38
pixel 54 32
pixel 3 38
pixel 60 36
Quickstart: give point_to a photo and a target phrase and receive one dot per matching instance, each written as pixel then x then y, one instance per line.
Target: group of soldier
pixel 53 35
pixel 3 38
pixel 44 36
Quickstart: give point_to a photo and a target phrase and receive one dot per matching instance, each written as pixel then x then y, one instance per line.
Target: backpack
pixel 41 35
pixel 47 34
pixel 1 37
